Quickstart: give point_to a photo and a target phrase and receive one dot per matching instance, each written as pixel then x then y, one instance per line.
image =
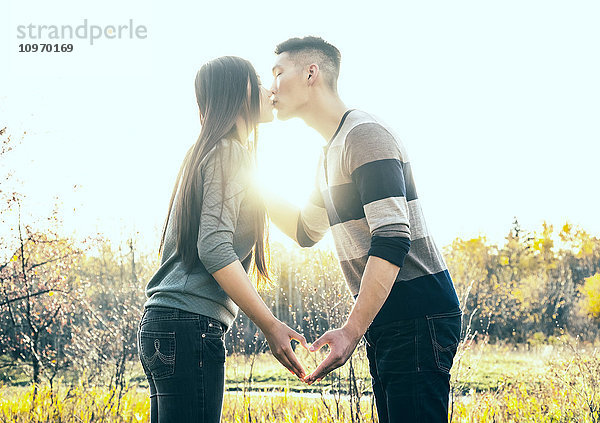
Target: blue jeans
pixel 183 356
pixel 410 362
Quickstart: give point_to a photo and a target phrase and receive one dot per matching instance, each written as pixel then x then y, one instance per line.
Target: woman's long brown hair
pixel 226 87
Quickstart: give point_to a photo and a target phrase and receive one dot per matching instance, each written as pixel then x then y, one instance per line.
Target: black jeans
pixel 410 362
pixel 183 356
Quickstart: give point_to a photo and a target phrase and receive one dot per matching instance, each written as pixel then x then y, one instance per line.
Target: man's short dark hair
pixel 308 50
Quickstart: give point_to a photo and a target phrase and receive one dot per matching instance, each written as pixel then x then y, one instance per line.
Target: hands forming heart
pixel 342 343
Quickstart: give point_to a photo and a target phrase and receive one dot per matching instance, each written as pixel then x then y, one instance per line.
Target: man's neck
pixel 325 114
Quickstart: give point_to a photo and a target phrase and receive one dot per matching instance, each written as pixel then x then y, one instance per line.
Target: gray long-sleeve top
pixel 226 234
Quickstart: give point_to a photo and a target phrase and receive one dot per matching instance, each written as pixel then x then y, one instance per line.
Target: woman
pixel 215 225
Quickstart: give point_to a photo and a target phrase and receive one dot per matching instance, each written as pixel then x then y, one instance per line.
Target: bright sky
pixel 498 104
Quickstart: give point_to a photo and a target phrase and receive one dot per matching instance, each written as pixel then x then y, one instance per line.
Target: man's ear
pixel 313 72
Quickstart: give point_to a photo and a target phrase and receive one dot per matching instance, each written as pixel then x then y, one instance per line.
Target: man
pixel 406 305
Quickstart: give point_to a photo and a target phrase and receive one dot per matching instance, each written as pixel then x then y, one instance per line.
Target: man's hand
pixel 376 284
pixel 342 343
pixel 279 336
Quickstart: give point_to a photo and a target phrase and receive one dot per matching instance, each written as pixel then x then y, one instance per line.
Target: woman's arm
pixel 234 281
pixel 226 177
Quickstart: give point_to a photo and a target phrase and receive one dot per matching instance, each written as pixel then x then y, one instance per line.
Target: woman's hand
pixel 234 281
pixel 279 337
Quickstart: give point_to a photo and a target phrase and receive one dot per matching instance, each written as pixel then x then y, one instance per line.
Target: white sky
pixel 498 104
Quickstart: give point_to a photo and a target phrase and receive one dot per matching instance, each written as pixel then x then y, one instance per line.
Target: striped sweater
pixel 366 193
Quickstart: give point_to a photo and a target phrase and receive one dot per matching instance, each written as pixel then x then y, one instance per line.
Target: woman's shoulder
pixel 230 155
pixel 230 146
pixel 233 146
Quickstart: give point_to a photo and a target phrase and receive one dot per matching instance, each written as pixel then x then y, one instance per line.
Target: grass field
pixel 492 384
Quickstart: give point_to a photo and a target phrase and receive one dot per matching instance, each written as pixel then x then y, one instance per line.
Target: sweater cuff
pixel 212 266
pixel 392 249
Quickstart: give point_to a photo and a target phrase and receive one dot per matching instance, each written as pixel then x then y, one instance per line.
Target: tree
pixel 473 264
pixel 590 297
pixel 104 339
pixel 38 298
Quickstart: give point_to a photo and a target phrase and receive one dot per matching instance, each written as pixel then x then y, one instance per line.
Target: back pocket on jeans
pixel 444 329
pixel 157 351
pixel 213 348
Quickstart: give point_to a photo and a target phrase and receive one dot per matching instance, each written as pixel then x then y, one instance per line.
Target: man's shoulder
pixel 367 138
pixel 360 117
pixel 361 124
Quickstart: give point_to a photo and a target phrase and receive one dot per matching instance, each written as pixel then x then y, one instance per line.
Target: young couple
pixel 406 306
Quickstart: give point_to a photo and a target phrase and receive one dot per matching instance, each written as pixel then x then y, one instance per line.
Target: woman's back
pixel 226 233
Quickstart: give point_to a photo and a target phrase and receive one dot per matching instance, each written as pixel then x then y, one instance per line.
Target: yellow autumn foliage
pixel 590 296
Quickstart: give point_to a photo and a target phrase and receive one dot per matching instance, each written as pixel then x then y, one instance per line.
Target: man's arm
pixel 306 226
pixel 373 159
pixel 283 214
pixel 375 287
